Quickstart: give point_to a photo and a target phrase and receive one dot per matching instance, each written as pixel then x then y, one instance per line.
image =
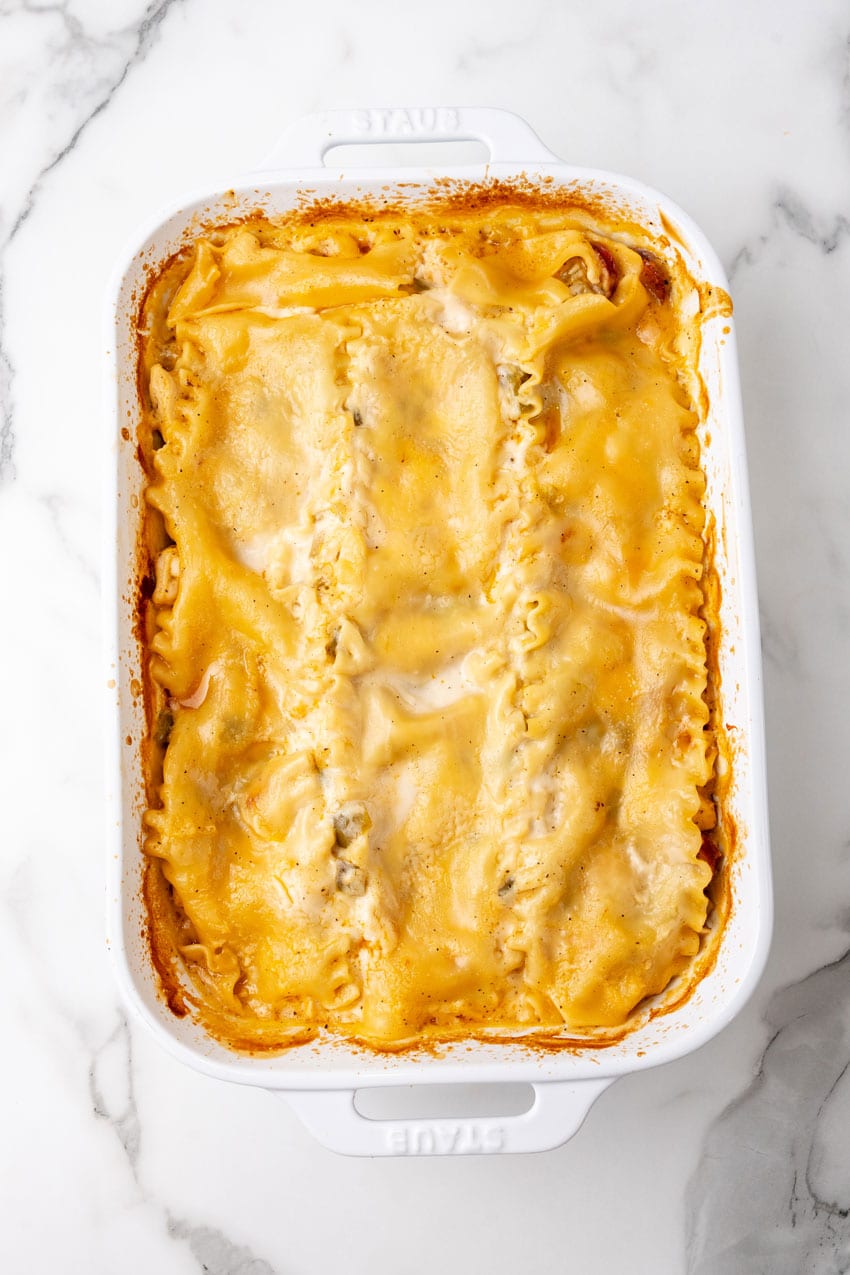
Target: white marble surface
pixel 114 1157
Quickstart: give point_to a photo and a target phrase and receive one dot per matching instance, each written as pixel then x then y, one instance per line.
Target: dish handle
pixel 508 137
pixel 558 1111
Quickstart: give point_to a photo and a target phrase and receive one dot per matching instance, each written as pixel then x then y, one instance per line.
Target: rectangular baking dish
pixel 320 1079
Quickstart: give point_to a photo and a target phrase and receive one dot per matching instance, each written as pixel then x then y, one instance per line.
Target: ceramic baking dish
pixel 320 1080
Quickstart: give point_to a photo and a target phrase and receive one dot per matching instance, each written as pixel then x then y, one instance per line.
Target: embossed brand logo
pixel 446 1139
pixel 417 122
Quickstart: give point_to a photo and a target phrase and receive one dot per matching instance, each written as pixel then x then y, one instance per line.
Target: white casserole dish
pixel 320 1080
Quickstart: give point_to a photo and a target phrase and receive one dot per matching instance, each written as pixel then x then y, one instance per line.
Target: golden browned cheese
pixel 429 630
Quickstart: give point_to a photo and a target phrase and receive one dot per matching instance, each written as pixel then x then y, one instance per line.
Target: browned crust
pixel 161 930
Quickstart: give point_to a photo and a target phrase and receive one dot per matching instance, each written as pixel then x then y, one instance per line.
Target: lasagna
pixel 432 744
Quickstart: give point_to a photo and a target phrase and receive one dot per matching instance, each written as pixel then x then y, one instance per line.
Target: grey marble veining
pixel 79 63
pixel 215 1253
pixel 111 1088
pixel 771 1191
pixel 113 1101
pixel 113 1157
pixel 789 208
pixel 61 70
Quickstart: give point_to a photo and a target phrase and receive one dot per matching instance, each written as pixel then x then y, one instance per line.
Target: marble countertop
pixel 114 1157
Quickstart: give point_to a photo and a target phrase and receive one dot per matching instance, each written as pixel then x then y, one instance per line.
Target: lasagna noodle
pixel 429 629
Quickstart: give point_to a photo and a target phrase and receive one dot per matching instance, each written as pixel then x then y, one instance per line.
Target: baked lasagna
pixel 432 743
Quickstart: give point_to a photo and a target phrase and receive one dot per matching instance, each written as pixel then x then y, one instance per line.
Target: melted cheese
pixel 432 639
